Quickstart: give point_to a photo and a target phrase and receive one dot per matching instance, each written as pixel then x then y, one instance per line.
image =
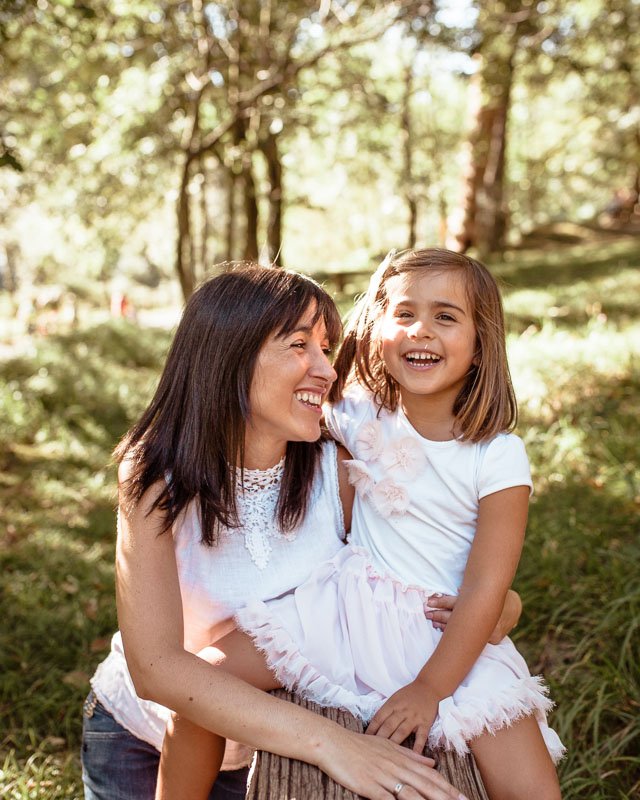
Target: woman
pixel 228 493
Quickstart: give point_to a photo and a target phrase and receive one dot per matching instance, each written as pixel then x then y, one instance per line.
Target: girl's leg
pixel 515 763
pixel 191 756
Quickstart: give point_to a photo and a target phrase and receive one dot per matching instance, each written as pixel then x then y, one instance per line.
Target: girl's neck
pixel 431 416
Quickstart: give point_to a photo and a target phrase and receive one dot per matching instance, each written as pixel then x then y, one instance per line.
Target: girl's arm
pixel 492 564
pixel 150 616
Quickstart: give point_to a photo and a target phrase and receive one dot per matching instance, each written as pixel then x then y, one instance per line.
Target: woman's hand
pixel 439 607
pixel 374 767
pixel 411 709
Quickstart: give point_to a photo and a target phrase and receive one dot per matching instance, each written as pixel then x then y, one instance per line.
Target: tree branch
pixel 247 99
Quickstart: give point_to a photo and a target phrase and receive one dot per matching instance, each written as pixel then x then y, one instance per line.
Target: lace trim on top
pixel 256 480
pixel 258 491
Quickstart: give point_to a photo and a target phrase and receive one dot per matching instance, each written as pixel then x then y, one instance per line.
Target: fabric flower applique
pixel 389 498
pixel 404 458
pixel 359 476
pixel 369 442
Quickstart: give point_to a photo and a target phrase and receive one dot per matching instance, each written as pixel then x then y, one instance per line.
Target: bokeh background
pixel 142 143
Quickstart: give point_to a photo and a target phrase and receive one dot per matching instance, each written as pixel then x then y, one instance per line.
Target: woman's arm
pixel 347 492
pixel 150 616
pixel 439 607
pixel 489 572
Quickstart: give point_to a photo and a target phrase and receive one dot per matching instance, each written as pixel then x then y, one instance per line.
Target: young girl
pixel 441 505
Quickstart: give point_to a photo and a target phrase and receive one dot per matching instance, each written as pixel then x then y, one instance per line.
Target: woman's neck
pixel 262 454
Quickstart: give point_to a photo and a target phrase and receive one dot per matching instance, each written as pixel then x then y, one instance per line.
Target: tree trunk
pixel 482 222
pixel 250 210
pixel 232 183
pixel 279 778
pixel 186 258
pixel 635 190
pixel 483 219
pixel 184 246
pixel 269 148
pixel 408 187
pixel 205 232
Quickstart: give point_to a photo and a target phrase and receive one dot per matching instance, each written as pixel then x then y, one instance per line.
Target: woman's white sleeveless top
pixel 254 562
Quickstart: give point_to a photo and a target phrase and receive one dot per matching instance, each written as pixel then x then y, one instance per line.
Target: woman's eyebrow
pixel 308 329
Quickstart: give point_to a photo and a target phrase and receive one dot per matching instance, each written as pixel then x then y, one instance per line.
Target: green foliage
pixel 574 353
pixel 99 105
pixel 64 406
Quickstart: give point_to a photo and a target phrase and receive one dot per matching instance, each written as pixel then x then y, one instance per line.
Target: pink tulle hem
pixel 461 718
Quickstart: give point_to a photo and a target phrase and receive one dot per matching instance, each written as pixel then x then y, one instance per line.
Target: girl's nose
pixel 420 330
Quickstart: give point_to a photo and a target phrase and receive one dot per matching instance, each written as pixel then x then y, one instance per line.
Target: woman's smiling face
pixel 290 382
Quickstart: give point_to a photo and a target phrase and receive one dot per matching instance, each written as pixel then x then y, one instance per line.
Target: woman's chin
pixel 310 435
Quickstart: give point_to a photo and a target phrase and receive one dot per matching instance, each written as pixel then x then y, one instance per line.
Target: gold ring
pixel 398 788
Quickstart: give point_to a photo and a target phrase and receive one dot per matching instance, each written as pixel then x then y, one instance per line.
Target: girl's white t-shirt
pixel 416 505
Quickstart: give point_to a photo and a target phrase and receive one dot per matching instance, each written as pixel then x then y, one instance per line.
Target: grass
pixel 575 352
pixel 64 406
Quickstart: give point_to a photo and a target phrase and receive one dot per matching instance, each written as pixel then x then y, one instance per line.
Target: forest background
pixel 143 142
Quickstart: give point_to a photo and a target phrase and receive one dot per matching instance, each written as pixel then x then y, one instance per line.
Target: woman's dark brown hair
pixel 486 404
pixel 192 434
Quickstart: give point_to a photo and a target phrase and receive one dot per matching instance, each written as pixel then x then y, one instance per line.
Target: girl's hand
pixel 373 767
pixel 412 709
pixel 439 607
pixel 509 618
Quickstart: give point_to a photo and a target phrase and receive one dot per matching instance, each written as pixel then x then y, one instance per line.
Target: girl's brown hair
pixel 486 404
pixel 192 434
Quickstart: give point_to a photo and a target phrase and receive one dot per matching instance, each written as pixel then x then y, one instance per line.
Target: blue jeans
pixel 116 765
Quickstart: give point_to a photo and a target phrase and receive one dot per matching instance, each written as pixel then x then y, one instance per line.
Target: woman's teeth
pixel 310 399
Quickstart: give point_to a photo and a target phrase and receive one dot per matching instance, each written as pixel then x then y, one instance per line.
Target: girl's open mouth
pixel 422 358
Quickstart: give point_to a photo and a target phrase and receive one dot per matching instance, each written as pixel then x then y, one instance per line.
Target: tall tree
pixel 499 31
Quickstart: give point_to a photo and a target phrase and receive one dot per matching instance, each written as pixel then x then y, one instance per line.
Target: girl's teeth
pixel 423 357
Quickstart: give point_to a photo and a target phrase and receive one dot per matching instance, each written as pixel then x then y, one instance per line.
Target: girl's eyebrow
pixel 407 301
pixel 447 304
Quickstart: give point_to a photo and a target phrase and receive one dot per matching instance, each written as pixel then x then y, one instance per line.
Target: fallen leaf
pixel 76 678
pixel 100 644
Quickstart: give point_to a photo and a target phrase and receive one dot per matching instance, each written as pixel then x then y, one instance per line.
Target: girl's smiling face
pixel 290 382
pixel 427 334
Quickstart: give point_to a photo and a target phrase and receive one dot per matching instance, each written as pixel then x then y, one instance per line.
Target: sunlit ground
pixel 574 347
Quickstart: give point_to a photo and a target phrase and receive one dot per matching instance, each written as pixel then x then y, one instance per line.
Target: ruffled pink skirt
pixel 350 637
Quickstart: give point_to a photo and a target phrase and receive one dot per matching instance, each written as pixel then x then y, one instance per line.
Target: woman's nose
pixel 322 368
